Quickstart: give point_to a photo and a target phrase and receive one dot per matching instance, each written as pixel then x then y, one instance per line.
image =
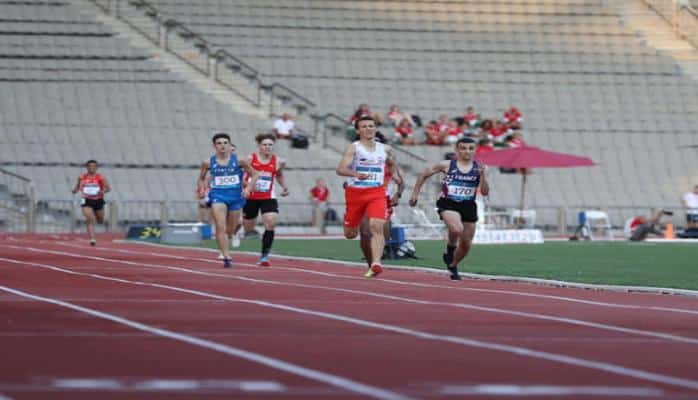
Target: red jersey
pixel 320 194
pixel 264 189
pixel 91 186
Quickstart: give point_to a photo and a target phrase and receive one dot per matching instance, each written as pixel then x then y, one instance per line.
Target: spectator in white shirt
pixel 283 127
pixel 690 203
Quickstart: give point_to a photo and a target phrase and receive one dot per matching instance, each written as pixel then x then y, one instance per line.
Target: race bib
pixel 263 184
pixel 375 177
pixel 90 190
pixel 226 181
pixel 460 193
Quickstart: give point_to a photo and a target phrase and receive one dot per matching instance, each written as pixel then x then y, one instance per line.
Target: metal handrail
pixel 14 175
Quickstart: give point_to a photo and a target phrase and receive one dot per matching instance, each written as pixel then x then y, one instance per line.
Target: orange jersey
pixel 91 186
pixel 264 188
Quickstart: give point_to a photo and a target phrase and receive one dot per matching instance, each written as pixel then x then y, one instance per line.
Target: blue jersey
pixel 458 186
pixel 226 180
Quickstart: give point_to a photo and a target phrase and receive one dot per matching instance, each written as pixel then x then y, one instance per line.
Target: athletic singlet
pixel 372 163
pixel 458 186
pixel 226 180
pixel 91 186
pixel 264 188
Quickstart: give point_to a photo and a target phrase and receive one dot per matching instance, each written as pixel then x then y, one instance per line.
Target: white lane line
pixel 517 350
pixel 564 320
pixel 547 390
pixel 329 379
pixel 160 384
pixel 415 284
pixel 3 397
pixel 87 383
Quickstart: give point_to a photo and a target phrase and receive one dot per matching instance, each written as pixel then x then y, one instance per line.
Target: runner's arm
pixel 281 177
pixel 106 187
pixel 344 164
pixel 252 173
pixel 77 186
pixel 436 168
pixel 484 184
pixel 203 171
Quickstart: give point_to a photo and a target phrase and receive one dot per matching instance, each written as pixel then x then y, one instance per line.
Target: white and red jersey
pixel 91 186
pixel 371 163
pixel 264 188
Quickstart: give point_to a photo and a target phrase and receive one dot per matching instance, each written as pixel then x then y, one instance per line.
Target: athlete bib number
pixel 374 179
pixel 90 190
pixel 460 193
pixel 226 181
pixel 263 184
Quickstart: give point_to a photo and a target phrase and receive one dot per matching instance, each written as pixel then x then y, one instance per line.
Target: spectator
pixel 484 146
pixel 404 133
pixel 453 132
pixel 470 117
pixel 498 131
pixel 319 198
pixel 395 116
pixel 442 123
pixel 638 228
pixel 690 204
pixel 512 118
pixel 433 136
pixel 516 139
pixel 283 127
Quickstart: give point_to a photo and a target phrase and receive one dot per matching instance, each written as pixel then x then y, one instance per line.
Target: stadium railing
pixel 221 66
pixel 683 18
pixel 17 202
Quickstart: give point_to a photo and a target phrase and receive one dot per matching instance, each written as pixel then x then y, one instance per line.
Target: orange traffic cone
pixel 669 231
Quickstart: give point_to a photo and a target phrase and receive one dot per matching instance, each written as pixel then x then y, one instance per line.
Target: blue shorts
pixel 232 204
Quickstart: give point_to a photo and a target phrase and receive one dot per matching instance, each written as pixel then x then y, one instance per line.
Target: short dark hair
pixel 90 162
pixel 364 118
pixel 220 135
pixel 465 140
pixel 263 136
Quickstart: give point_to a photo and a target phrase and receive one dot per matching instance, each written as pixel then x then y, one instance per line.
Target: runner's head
pixel 465 149
pixel 365 127
pixel 221 142
pixel 265 143
pixel 91 166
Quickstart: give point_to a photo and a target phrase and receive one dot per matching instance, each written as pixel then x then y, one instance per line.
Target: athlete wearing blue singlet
pixel 227 193
pixel 456 205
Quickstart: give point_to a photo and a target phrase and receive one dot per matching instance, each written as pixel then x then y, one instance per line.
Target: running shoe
pixel 221 256
pixel 235 241
pixel 227 263
pixel 264 261
pixel 93 242
pixel 374 271
pixel 455 276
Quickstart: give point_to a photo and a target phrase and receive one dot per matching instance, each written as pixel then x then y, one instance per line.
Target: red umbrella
pixel 532 157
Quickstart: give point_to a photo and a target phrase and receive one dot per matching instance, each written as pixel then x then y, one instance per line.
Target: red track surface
pixel 404 335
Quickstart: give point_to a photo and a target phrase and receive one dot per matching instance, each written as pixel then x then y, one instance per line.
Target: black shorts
pixel 252 207
pixel 95 204
pixel 466 209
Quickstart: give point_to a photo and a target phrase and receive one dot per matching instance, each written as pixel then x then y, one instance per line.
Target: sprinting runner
pixel 92 187
pixel 263 198
pixel 364 162
pixel 456 205
pixel 226 195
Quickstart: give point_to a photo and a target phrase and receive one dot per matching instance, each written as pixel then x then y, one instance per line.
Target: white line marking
pixel 329 379
pixel 3 397
pixel 80 383
pixel 416 284
pixel 571 321
pixel 517 350
pixel 547 390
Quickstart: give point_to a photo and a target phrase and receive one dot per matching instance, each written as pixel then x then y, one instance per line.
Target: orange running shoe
pixel 375 270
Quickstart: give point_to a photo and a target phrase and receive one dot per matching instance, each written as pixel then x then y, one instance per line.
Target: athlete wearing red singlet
pixel 269 170
pixel 92 187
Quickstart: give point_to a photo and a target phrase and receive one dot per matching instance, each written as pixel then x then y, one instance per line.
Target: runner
pixel 270 169
pixel 92 187
pixel 456 205
pixel 364 162
pixel 226 195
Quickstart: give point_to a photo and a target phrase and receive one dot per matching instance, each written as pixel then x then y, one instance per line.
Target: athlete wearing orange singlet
pixel 92 187
pixel 364 163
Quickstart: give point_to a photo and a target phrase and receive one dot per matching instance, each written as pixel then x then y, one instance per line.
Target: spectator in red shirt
pixel 512 118
pixel 404 132
pixel 638 228
pixel 442 123
pixel 364 110
pixel 484 146
pixel 470 117
pixel 498 131
pixel 516 139
pixel 433 136
pixel 395 115
pixel 453 132
pixel 319 197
